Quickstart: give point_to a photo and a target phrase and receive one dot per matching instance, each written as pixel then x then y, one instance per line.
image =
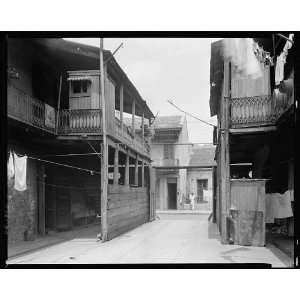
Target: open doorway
pixel 172 193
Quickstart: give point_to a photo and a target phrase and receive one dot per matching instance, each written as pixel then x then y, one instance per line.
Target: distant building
pixel 199 176
pixel 170 150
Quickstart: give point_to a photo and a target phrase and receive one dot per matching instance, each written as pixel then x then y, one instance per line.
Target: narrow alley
pixel 173 237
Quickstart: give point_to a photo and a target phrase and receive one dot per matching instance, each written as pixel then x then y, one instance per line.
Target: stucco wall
pixel 193 175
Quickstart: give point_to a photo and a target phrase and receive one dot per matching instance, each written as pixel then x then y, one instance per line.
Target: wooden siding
pixel 128 207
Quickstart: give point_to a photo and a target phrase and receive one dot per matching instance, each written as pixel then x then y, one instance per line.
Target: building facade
pixel 199 176
pixel 55 120
pixel 170 151
pixel 254 151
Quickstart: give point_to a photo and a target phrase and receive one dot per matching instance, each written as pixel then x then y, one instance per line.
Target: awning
pixel 76 78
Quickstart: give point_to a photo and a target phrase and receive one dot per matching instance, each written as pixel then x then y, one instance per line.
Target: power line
pixel 187 113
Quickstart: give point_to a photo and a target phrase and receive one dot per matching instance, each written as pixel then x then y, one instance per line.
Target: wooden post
pixel 104 156
pixel 136 171
pixel 121 106
pixel 116 166
pixel 151 187
pixel 143 173
pixel 143 129
pixel 126 180
pixel 58 104
pixel 133 118
pixel 224 154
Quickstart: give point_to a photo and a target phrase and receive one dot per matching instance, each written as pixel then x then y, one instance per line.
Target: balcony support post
pixel 224 154
pixel 143 129
pixel 143 173
pixel 104 162
pixel 58 105
pixel 116 166
pixel 136 171
pixel 133 118
pixel 126 180
pixel 121 106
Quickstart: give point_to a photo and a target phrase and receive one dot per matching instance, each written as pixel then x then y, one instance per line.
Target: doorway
pixel 172 193
pixel 201 186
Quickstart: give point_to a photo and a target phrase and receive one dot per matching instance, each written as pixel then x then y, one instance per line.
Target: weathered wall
pixel 128 207
pixel 19 55
pixel 22 206
pixel 193 175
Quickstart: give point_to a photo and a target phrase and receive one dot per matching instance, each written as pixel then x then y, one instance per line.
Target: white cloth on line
pixel 10 166
pixel 20 173
pixel 278 206
pixel 279 69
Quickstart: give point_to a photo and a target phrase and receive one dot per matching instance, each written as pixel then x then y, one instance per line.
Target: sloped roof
pixel 168 122
pixel 202 156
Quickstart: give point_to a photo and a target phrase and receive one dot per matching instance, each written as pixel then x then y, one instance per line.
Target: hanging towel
pixel 10 166
pixel 20 173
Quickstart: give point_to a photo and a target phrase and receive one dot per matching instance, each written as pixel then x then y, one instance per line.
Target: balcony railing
pixel 256 111
pixel 79 121
pixel 27 109
pixel 32 111
pixel 125 134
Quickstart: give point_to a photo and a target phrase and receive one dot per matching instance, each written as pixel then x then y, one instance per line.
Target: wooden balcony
pixel 27 109
pixel 89 122
pixel 256 111
pixel 79 121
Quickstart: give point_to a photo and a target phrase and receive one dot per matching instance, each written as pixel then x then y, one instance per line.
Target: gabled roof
pixel 202 156
pixel 169 122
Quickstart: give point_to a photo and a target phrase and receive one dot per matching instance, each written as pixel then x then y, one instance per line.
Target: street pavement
pixel 171 238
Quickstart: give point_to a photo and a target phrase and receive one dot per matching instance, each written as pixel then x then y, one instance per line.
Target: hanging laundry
pixel 278 206
pixel 20 173
pixel 240 51
pixel 10 166
pixel 279 68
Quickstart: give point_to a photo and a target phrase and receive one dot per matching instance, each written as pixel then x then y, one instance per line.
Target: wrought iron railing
pixel 27 109
pixel 79 121
pixel 255 111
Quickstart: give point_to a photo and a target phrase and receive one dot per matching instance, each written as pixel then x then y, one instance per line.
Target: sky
pixel 163 69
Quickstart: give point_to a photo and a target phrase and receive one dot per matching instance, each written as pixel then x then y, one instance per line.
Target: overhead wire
pixel 191 115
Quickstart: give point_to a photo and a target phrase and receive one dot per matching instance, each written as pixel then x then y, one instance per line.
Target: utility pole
pixel 104 150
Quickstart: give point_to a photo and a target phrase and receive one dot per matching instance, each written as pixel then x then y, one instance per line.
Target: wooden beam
pixel 136 171
pixel 58 104
pixel 143 173
pixel 133 118
pixel 249 130
pixel 116 166
pixel 126 180
pixel 104 162
pixel 121 105
pixel 143 129
pixel 224 153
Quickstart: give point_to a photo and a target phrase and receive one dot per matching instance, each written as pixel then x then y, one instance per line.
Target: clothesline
pixel 92 172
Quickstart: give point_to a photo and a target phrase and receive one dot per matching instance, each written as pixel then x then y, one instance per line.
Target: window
pixel 168 151
pixel 80 86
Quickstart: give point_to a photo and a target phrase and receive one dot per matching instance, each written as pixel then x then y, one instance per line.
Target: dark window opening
pixel 76 87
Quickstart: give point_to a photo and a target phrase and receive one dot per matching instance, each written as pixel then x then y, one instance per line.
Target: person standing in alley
pixel 192 200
